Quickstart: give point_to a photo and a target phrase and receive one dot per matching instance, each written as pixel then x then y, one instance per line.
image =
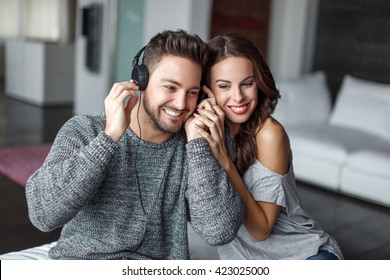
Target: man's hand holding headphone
pixel 118 108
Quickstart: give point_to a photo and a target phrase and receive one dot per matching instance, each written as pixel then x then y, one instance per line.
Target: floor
pixel 361 228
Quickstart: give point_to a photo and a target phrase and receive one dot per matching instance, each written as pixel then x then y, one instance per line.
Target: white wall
pixel 39 73
pixel 292 36
pixel 201 18
pixel 91 88
pixel 2 61
pixel 41 19
pixel 190 15
pixel 47 20
pixel 10 18
pixel 9 27
pixel 310 38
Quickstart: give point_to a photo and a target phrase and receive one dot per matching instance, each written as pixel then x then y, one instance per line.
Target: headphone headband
pixel 136 57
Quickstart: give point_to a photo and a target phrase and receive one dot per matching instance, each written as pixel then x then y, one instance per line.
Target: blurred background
pixel 69 52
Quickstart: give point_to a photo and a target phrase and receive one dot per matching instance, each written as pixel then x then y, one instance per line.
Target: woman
pixel 257 157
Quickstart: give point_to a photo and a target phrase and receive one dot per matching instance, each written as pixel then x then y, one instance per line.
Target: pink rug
pixel 19 162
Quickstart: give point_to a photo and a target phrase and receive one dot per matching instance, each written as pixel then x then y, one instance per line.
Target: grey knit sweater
pixel 130 200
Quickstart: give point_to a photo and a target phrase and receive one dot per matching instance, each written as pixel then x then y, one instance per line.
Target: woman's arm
pixel 273 152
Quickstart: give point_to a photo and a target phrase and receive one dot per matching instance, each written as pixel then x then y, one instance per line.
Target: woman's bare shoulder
pixel 273 146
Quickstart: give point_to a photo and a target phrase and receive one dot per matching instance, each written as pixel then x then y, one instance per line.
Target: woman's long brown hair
pixel 235 45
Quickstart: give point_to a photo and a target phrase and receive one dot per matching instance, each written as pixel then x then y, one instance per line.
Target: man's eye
pixel 170 88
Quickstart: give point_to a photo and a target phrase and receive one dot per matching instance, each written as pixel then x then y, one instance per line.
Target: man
pixel 123 183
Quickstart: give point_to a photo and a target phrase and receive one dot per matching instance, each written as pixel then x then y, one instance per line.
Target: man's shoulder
pixel 84 124
pixel 96 119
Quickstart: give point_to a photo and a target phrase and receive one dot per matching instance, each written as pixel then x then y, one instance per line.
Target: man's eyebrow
pixel 170 81
pixel 177 83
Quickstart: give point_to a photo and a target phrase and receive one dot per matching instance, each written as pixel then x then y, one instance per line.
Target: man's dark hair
pixel 177 43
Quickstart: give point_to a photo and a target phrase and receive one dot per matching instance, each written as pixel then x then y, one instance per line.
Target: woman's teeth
pixel 239 108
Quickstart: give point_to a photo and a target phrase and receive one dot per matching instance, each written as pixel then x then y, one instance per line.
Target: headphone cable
pixel 136 155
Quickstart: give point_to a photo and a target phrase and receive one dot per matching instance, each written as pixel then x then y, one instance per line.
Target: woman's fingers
pixel 210 100
pixel 212 122
pixel 214 113
pixel 202 120
pixel 208 91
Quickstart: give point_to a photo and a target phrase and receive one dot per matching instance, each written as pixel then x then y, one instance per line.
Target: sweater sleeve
pixel 70 175
pixel 216 208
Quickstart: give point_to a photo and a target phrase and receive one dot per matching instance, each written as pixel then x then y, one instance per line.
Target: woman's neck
pixel 234 128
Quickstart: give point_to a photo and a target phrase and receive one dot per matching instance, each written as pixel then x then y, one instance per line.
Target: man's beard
pixel 156 121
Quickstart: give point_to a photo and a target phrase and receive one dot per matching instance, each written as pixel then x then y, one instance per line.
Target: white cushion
pixel 320 151
pixel 303 101
pixel 317 171
pixel 375 162
pixel 318 145
pixel 372 182
pixel 332 143
pixel 363 105
pixel 35 253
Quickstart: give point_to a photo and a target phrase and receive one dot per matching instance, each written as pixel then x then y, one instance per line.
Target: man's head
pixel 176 43
pixel 175 60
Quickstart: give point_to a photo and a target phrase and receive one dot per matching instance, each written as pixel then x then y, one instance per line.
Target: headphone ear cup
pixel 140 74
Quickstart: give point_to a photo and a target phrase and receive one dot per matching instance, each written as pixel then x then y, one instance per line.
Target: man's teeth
pixel 172 113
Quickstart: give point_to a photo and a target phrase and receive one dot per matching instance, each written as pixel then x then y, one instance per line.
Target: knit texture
pixel 127 200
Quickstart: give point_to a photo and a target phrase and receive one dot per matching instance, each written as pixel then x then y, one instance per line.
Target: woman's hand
pixel 192 125
pixel 210 124
pixel 118 105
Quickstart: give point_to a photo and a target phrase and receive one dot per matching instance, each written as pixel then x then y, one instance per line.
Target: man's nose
pixel 180 101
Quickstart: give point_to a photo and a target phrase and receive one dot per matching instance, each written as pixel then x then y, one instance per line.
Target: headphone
pixel 140 73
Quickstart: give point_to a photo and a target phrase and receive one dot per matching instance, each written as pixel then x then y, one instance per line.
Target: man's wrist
pixel 113 136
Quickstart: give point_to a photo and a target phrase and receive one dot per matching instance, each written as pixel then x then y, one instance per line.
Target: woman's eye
pixel 248 84
pixel 224 86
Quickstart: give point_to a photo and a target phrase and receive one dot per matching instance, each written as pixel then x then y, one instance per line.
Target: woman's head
pixel 239 55
pixel 243 87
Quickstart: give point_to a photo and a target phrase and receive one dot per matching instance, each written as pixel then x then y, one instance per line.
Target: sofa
pixel 343 147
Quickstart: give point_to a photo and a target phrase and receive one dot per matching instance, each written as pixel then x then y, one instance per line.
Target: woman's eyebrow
pixel 221 80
